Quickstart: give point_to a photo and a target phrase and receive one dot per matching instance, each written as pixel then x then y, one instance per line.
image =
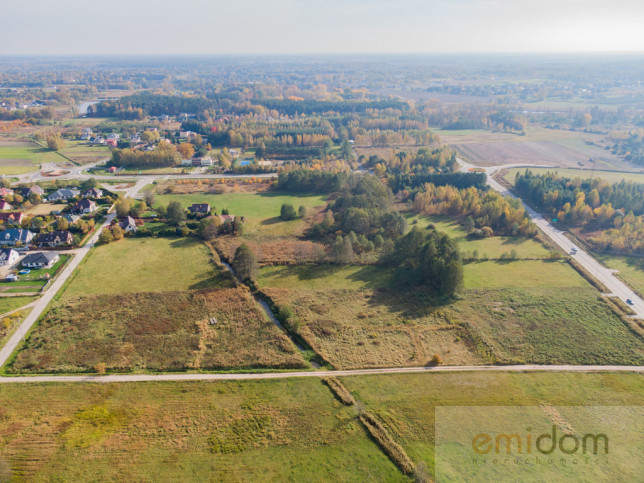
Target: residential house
pixel 199 208
pixel 35 189
pixel 205 161
pixel 63 194
pixel 112 169
pixel 12 217
pixel 93 193
pixel 4 205
pixel 71 219
pixel 128 224
pixel 189 135
pixel 84 206
pixel 40 260
pixel 8 256
pixel 186 162
pixel 225 218
pixel 5 192
pixel 112 143
pixel 15 236
pixel 55 238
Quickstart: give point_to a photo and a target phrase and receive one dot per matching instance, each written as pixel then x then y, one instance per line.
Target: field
pixel 631 269
pixel 146 265
pixel 376 328
pixel 7 304
pixel 493 247
pixel 22 157
pixel 521 274
pixel 566 325
pixel 206 431
pixel 44 209
pixel 406 404
pixel 165 331
pixel 610 176
pixel 83 153
pixel 546 147
pixel 529 311
pixel 253 206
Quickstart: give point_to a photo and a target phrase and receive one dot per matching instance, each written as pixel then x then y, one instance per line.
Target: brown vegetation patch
pixel 207 329
pixel 213 186
pixel 269 251
pixel 376 328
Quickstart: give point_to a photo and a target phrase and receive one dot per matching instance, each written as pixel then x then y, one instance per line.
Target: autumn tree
pixel 55 142
pixel 244 263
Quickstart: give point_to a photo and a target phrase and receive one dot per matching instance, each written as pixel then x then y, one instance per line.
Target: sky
pixel 217 27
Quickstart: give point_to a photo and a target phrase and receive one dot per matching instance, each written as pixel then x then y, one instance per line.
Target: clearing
pixel 610 176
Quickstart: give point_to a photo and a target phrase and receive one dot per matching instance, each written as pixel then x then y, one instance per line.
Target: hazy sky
pixel 318 26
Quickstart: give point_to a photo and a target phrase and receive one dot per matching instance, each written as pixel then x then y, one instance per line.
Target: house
pixel 128 224
pixel 63 194
pixel 186 162
pixel 93 193
pixel 225 218
pixel 71 219
pixel 190 135
pixel 205 161
pixel 4 205
pixel 40 260
pixel 112 169
pixel 5 192
pixel 112 143
pixel 55 238
pixel 8 256
pixel 34 190
pixel 84 206
pixel 12 217
pixel 199 208
pixel 15 236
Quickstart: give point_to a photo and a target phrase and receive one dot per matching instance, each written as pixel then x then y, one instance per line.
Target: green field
pixel 26 157
pixel 406 403
pixel 493 247
pixel 82 153
pixel 319 277
pixel 631 269
pixel 610 176
pixel 7 304
pixel 146 265
pixel 249 205
pixel 546 325
pixel 292 429
pixel 521 273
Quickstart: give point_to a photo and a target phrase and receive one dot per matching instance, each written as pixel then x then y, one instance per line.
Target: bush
pixel 287 212
pixel 436 360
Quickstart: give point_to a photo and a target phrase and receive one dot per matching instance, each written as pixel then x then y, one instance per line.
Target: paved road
pixel 285 375
pixel 41 304
pixel 600 272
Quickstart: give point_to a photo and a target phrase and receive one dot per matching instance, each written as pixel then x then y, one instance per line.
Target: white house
pixel 8 256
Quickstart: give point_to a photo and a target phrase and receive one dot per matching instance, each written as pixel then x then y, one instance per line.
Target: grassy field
pixel 631 269
pixel 18 158
pixel 492 247
pixel 406 403
pixel 7 304
pixel 264 206
pixel 521 273
pixel 195 431
pixel 320 277
pixel 565 325
pixel 146 265
pixel 610 176
pixel 82 153
pixel 157 331
pixel 44 209
pixel 376 328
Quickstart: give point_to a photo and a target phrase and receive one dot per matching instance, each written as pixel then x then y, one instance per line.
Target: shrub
pixel 287 212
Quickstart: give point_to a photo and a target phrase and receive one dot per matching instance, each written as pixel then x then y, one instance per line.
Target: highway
pixel 605 275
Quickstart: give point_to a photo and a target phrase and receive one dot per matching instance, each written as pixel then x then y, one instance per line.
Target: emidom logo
pixel 545 443
pixel 539 443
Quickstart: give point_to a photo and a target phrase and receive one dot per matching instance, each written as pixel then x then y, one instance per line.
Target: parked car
pixel 629 302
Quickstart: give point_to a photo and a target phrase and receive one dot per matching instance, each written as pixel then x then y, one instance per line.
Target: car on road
pixel 629 302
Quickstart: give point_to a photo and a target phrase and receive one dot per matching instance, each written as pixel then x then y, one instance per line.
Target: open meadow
pixel 177 431
pixel 405 404
pixel 610 176
pixel 18 157
pixel 146 265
